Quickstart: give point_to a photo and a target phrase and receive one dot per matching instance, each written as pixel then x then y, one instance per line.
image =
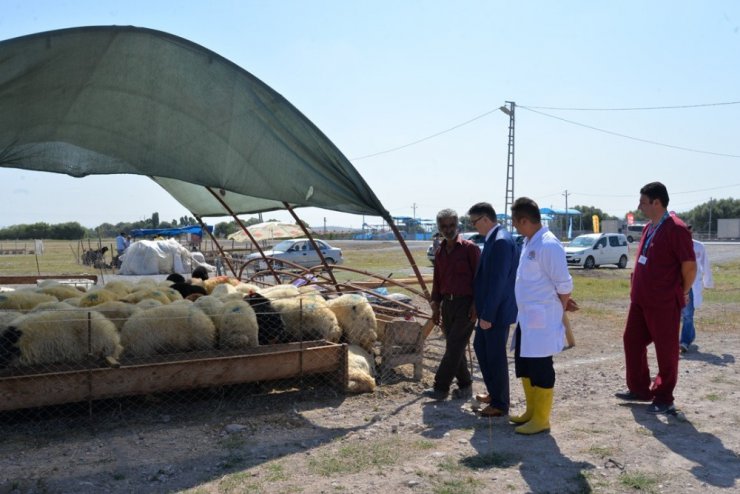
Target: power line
pixel 427 137
pixel 639 108
pixel 647 141
pixel 534 110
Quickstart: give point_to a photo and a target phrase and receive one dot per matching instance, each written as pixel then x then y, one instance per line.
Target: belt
pixel 450 296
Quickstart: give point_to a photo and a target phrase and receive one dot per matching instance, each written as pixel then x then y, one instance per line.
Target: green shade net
pixel 109 100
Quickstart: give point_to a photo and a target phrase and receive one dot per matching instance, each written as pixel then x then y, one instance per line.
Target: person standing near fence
pixel 121 243
pixel 496 307
pixel 663 275
pixel 452 299
pixel 543 288
pixel 703 280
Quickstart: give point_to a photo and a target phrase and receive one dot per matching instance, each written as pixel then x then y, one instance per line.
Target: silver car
pixel 300 251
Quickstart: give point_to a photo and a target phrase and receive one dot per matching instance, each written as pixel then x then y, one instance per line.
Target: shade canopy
pixel 109 100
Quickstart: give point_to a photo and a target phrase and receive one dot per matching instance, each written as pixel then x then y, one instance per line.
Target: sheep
pixel 148 303
pixel 163 295
pixel 270 324
pixel 53 306
pixel 187 289
pixel 356 318
pixel 23 300
pixel 237 325
pixel 120 287
pixel 308 320
pixel 98 296
pixel 211 283
pixel 50 337
pixel 172 328
pixel 210 305
pixel 117 312
pixel 8 316
pixel 222 290
pixel 280 291
pixel 361 370
pixel 246 288
pixel 60 291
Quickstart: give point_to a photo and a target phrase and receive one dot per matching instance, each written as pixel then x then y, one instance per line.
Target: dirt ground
pixel 314 440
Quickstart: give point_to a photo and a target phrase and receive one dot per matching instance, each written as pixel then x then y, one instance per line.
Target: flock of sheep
pixel 60 324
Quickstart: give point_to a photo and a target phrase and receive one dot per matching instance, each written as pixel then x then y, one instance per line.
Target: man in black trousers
pixel 455 262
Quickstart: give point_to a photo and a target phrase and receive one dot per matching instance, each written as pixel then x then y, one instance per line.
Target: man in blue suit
pixel 495 305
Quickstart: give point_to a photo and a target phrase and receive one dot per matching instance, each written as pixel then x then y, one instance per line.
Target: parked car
pixel 596 249
pixel 300 251
pixel 633 232
pixel 474 237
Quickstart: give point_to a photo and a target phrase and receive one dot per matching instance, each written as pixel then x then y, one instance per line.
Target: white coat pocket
pixel 535 316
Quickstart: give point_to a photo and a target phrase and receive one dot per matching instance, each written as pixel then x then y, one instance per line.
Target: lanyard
pixel 653 232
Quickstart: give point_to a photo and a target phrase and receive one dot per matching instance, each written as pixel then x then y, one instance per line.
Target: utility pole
pixel 566 214
pixel 509 200
pixel 413 206
pixel 709 237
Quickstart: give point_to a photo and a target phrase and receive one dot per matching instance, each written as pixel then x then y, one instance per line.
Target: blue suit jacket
pixel 494 279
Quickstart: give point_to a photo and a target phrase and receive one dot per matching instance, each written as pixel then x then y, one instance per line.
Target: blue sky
pixel 376 75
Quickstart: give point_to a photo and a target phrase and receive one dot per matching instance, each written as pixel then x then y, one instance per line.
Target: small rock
pixel 231 428
pixel 413 483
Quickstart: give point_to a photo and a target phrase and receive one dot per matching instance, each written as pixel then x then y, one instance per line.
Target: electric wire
pixel 625 136
pixel 637 108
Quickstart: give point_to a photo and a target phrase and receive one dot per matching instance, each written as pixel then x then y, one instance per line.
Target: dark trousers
pixel 659 326
pixel 457 328
pixel 539 370
pixel 490 349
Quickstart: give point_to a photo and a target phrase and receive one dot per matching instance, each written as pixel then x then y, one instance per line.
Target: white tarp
pixel 156 257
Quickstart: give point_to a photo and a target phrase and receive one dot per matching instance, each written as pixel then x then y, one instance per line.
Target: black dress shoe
pixel 435 394
pixel 630 396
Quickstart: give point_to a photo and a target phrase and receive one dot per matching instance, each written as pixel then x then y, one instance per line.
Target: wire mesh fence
pixel 65 349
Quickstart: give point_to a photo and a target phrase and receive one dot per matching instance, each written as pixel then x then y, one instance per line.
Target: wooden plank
pixel 294 360
pixel 31 280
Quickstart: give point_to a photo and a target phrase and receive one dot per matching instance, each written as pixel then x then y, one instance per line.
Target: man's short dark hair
pixel 483 209
pixel 524 207
pixel 656 190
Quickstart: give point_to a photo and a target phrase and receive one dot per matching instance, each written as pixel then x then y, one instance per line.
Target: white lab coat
pixel 541 276
pixel 703 273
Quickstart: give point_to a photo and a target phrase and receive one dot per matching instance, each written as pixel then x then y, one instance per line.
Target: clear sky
pixel 377 75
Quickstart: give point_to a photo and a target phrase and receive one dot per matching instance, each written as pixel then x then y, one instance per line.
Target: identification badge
pixel 642 260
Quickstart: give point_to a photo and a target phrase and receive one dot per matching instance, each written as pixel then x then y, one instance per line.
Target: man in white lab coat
pixel 703 280
pixel 543 287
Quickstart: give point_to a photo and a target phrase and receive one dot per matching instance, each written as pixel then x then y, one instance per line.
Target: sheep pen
pixel 260 437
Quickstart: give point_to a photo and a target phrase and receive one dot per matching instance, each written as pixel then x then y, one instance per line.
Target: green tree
pixel 155 220
pixel 587 213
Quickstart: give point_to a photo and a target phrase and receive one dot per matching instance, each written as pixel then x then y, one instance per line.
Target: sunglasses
pixel 474 221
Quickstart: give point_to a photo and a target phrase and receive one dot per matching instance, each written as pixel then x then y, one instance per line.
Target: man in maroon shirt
pixel 664 272
pixel 455 262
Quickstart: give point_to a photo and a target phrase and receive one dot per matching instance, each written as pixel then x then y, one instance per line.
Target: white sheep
pixel 121 287
pixel 171 328
pixel 356 317
pixel 237 325
pixel 148 303
pixel 117 312
pixel 155 293
pixel 60 291
pixel 49 337
pixel 247 288
pixel 210 305
pixel 280 291
pixel 97 296
pixel 308 319
pixel 23 300
pixel 223 289
pixel 361 370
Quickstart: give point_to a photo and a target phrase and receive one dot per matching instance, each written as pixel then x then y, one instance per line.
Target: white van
pixel 596 249
pixel 633 232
